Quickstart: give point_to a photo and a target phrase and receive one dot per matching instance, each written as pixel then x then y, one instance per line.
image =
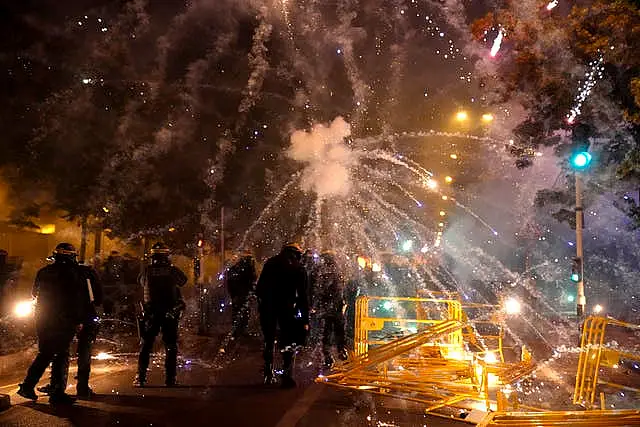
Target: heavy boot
pixel 287 373
pixel 268 373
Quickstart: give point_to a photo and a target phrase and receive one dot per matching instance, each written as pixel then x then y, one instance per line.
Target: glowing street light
pixel 24 308
pixel 597 309
pixel 432 184
pixel 445 198
pixel 487 118
pixel 376 268
pixel 442 213
pixel 448 179
pixel 453 156
pixel 462 116
pixel 407 245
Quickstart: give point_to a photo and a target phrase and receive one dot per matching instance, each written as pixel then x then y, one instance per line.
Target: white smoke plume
pixel 328 159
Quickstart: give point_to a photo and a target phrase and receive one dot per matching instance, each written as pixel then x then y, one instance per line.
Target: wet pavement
pixel 223 389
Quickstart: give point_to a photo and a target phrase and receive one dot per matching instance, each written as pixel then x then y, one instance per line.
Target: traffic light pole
pixel 581 300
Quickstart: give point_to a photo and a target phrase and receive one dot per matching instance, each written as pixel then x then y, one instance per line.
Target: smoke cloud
pixel 327 157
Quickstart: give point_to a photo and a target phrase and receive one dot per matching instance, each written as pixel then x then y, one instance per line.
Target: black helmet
pixel 65 252
pixel 159 253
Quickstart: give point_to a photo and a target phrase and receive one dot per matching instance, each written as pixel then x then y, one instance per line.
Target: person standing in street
pixel 59 289
pixel 330 306
pixel 92 297
pixel 283 303
pixel 241 279
pixel 163 306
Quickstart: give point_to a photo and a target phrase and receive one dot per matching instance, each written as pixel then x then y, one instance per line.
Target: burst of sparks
pixel 497 43
pixel 596 68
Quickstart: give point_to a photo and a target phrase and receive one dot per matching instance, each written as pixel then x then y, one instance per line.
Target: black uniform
pixel 87 335
pixel 329 300
pixel 162 306
pixel 283 303
pixel 241 279
pixel 59 310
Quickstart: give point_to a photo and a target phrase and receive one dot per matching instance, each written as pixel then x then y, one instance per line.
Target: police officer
pixel 163 306
pixel 92 297
pixel 59 313
pixel 330 306
pixel 241 279
pixel 282 302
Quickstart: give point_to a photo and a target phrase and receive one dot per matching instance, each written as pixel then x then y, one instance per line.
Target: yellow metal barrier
pixel 618 418
pixel 594 355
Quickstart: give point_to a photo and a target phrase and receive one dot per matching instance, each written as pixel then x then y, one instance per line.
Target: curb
pixel 5 402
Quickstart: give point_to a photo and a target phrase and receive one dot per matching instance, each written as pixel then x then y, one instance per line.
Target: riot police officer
pixel 163 306
pixel 59 313
pixel 330 306
pixel 92 297
pixel 241 278
pixel 282 302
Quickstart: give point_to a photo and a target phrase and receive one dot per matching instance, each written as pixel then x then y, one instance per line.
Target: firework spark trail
pixel 552 4
pixel 595 73
pixel 390 207
pixel 497 43
pixel 383 176
pixel 476 216
pixel 270 206
pixel 259 64
pixel 391 158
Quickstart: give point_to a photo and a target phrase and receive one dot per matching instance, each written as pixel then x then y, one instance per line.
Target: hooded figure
pixel 283 304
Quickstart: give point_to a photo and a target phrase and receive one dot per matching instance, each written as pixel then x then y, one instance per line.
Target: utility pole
pixel 581 300
pixel 83 239
pixel 222 238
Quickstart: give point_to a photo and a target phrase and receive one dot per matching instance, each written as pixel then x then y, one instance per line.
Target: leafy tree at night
pixel 546 55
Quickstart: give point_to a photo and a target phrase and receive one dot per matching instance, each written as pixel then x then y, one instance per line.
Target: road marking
pixel 301 407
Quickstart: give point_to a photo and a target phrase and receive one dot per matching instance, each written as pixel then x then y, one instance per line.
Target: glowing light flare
pixel 448 179
pixel 432 184
pixel 407 245
pixel 462 116
pixel 497 43
pixel 552 4
pixel 487 117
pixel 512 306
pixel 453 156
pixel 490 357
pixel 24 308
pixel 48 229
pixel 597 309
pixel 362 262
pixel 387 305
pixel 103 356
pixel 376 268
pixel 442 213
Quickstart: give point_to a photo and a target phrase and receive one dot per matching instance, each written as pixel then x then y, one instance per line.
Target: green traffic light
pixel 580 160
pixel 575 277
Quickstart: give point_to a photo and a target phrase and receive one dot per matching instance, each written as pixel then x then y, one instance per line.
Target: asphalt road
pixel 216 390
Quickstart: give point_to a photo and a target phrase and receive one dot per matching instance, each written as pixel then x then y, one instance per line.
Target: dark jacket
pixel 161 286
pixel 241 277
pixel 329 289
pixel 60 289
pixel 282 287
